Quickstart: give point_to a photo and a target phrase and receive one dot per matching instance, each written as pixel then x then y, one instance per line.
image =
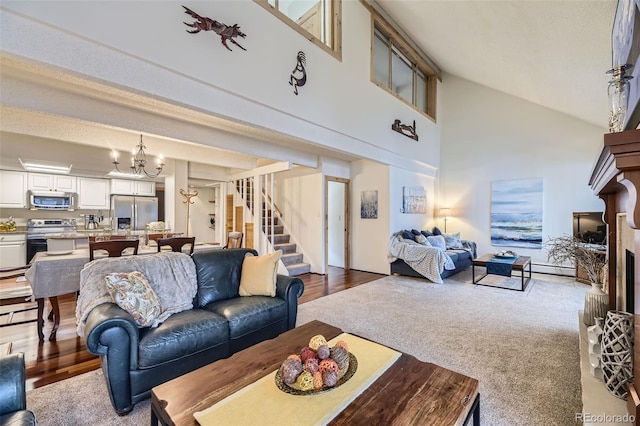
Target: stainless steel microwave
pixel 52 200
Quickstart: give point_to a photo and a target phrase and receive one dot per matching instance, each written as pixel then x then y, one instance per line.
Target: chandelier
pixel 139 161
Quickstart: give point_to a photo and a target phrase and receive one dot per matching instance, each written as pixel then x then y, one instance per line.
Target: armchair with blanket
pixel 429 254
pixel 206 314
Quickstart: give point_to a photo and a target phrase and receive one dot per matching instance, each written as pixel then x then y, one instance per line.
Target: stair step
pixel 277 229
pixel 291 259
pixel 280 238
pixel 285 247
pixel 298 268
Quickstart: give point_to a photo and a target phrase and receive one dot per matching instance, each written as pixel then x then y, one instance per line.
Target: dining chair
pixel 177 243
pixel 15 290
pixel 234 240
pixel 113 247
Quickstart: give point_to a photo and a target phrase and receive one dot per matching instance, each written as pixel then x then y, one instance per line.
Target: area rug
pixel 521 346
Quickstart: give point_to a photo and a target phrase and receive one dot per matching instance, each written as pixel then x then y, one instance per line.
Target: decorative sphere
pixel 343 344
pixel 290 370
pixel 305 381
pixel 311 365
pixel 296 357
pixel 307 353
pixel 317 341
pixel 328 365
pixel 323 352
pixel 318 382
pixel 340 356
pixel 330 378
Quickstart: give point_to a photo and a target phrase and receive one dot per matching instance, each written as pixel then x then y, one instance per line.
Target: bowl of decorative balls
pixel 316 368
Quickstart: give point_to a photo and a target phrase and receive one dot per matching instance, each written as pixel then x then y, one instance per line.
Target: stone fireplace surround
pixel 615 178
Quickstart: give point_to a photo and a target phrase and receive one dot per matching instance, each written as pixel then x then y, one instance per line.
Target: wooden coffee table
pixel 409 392
pixel 520 264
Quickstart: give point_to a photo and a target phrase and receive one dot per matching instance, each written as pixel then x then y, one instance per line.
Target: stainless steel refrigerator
pixel 133 211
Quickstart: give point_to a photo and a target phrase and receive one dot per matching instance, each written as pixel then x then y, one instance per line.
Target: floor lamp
pixel 445 215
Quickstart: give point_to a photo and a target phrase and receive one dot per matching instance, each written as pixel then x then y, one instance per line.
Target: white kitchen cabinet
pixel 13 250
pixel 133 187
pixel 13 189
pixel 93 193
pixel 45 182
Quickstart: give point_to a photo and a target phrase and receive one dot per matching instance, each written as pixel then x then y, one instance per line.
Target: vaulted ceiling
pixel 552 53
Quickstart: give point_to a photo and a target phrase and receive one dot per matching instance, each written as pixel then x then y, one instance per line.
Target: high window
pixel 398 68
pixel 317 20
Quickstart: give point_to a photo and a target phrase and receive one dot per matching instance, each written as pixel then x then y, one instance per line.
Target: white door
pixel 13 254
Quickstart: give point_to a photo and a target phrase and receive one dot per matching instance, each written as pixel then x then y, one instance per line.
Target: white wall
pixel 370 237
pixel 488 135
pixel 162 61
pixel 398 179
pixel 199 214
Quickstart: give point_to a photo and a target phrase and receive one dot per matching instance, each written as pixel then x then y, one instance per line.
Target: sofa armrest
pixel 290 289
pixel 470 245
pixel 13 396
pixel 111 329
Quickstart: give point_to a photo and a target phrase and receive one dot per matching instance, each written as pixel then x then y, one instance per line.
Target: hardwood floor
pixel 66 357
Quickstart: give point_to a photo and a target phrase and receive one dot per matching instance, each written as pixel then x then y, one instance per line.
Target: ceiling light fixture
pixel 45 167
pixel 138 162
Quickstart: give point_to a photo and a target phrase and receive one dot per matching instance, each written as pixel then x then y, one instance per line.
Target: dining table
pixel 56 273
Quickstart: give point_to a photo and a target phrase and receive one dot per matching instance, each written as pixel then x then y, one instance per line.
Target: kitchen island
pixel 53 274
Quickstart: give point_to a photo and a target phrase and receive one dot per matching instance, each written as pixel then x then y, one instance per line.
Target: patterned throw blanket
pixel 428 261
pixel 171 275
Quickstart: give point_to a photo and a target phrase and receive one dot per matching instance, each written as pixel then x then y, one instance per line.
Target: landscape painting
pixel 414 199
pixel 369 205
pixel 516 213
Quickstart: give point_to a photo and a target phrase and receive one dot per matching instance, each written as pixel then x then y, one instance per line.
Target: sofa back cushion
pixel 218 273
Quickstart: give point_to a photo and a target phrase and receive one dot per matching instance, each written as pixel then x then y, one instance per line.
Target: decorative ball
pixel 307 353
pixel 330 378
pixel 311 365
pixel 328 365
pixel 343 344
pixel 305 381
pixel 290 370
pixel 296 357
pixel 323 352
pixel 317 341
pixel 318 382
pixel 340 356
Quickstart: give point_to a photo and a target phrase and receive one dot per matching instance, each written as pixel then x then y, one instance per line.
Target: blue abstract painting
pixel 516 213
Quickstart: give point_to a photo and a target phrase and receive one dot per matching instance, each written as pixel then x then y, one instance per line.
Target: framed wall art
pixel 414 200
pixel 369 205
pixel 516 213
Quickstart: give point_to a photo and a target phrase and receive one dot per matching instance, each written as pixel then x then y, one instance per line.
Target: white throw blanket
pixel 171 275
pixel 428 261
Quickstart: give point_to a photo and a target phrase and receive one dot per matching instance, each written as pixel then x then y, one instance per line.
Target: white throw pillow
pixel 452 241
pixel 423 240
pixel 133 293
pixel 259 274
pixel 437 241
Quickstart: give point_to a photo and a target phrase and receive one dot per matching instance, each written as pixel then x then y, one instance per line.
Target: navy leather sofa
pixel 134 360
pixel 13 397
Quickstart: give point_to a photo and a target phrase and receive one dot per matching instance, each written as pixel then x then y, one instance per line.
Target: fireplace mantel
pixel 618 169
pixel 616 180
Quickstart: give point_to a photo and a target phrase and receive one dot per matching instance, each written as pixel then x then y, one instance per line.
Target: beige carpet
pixel 521 346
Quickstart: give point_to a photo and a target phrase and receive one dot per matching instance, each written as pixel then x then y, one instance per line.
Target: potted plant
pixel 567 248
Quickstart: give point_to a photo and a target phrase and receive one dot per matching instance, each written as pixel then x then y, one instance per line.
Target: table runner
pixel 262 401
pixel 500 266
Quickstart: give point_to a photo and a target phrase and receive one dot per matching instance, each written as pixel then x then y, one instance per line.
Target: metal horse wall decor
pixel 299 74
pixel 405 129
pixel 225 32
